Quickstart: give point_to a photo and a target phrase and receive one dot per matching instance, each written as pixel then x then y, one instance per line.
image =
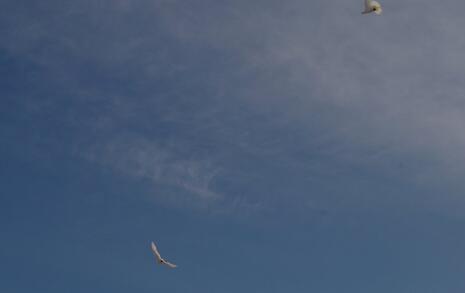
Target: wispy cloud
pixel 225 100
pixel 146 159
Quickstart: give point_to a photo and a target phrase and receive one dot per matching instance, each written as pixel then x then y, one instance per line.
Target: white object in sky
pixel 372 6
pixel 160 260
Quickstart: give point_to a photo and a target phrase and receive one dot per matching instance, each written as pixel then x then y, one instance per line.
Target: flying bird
pixel 372 6
pixel 160 260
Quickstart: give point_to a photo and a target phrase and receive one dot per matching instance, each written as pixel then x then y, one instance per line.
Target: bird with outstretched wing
pixel 160 260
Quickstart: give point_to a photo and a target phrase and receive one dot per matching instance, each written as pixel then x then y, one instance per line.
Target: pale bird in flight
pixel 372 6
pixel 160 260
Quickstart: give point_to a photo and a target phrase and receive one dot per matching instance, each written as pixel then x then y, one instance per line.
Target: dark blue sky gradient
pixel 265 146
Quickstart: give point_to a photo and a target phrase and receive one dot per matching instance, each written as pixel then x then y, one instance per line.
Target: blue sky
pixel 265 146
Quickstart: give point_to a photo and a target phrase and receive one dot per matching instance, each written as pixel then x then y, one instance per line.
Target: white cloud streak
pixel 263 79
pixel 141 158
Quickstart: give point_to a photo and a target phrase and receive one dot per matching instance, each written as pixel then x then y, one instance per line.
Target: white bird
pixel 160 260
pixel 372 6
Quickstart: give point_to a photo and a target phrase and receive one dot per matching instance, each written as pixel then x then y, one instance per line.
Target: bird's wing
pixel 367 5
pixel 155 251
pixel 170 264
